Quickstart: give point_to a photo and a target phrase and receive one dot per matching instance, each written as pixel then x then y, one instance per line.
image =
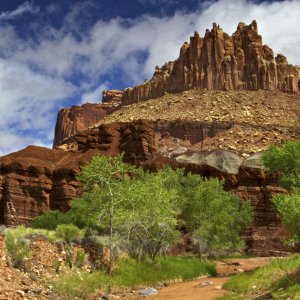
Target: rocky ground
pixel 256 118
pixel 33 280
pixel 252 107
pixel 49 261
pixel 15 285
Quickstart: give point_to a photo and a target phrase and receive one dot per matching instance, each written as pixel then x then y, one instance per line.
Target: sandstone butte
pixel 212 111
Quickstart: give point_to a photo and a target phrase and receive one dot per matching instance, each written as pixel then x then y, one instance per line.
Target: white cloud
pixel 27 103
pixel 26 7
pixel 35 77
pixel 11 142
pixel 94 96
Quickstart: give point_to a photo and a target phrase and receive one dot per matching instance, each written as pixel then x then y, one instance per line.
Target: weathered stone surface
pixel 77 118
pixel 109 96
pixel 220 62
pixel 36 179
pixel 223 161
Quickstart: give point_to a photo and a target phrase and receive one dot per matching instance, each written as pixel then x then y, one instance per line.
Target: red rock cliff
pixel 37 179
pixel 220 62
pixel 77 118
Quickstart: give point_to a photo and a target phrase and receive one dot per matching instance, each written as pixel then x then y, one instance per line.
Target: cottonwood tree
pixel 215 217
pixel 285 159
pixel 152 225
pixel 103 203
pixel 135 209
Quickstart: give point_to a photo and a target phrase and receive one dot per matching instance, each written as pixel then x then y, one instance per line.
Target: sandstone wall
pixel 72 120
pixel 220 62
pixel 37 179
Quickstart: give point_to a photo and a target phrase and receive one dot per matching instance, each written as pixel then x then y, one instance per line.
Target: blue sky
pixel 59 53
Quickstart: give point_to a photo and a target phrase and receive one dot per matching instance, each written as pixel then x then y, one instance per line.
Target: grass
pixel 17 243
pixel 130 273
pixel 23 232
pixel 280 279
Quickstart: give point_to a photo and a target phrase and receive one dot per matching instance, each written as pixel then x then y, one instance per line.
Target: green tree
pixel 102 202
pixel 288 207
pixel 285 160
pixel 152 225
pixel 215 217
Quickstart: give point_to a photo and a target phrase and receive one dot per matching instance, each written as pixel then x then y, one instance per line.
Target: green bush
pixel 18 249
pixel 80 259
pixel 50 220
pixel 67 232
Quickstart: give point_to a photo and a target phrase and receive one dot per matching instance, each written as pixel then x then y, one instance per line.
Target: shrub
pixel 50 220
pixel 67 232
pixel 18 249
pixel 80 259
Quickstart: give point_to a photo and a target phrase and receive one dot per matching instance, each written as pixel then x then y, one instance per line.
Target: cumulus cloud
pixel 28 100
pixel 94 96
pixel 26 7
pixel 36 77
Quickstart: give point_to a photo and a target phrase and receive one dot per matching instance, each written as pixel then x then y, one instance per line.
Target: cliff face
pixel 77 118
pixel 215 62
pixel 220 62
pixel 37 179
pixel 193 129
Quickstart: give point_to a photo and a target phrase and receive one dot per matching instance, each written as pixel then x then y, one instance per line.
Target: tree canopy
pixel 285 159
pixel 143 212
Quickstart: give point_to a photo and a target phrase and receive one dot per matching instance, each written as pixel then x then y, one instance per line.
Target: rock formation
pixel 36 179
pixel 220 62
pixel 216 62
pixel 191 126
pixel 112 96
pixel 77 118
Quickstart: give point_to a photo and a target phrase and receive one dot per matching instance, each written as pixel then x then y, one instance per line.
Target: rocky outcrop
pixel 72 120
pixel 112 96
pixel 220 62
pixel 36 179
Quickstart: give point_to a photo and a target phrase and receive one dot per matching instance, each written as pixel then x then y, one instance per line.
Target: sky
pixel 59 53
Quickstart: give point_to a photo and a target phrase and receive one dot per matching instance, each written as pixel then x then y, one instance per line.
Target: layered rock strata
pixel 77 118
pixel 36 179
pixel 220 62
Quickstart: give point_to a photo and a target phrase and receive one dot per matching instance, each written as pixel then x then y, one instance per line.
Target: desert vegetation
pixel 280 279
pixel 133 219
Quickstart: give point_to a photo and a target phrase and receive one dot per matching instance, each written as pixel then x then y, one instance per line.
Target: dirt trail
pixel 210 288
